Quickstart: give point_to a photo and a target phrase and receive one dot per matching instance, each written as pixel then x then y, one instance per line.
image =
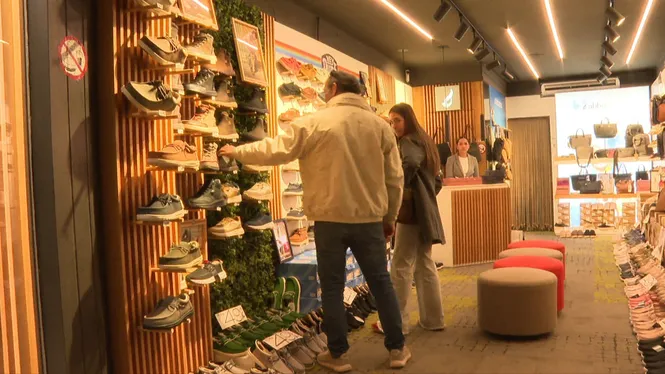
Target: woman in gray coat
pixel 462 165
pixel 414 239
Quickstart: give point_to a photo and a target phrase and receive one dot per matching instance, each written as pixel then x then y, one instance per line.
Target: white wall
pixel 403 93
pixel 533 106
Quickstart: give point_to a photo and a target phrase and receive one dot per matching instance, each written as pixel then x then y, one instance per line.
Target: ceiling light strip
pixel 407 19
pixel 555 34
pixel 521 50
pixel 640 28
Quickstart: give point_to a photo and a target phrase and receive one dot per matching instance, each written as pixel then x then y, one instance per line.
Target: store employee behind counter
pixel 462 165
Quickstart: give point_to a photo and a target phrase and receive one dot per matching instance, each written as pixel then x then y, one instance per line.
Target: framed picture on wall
pixel 381 96
pixel 194 230
pixel 250 54
pixel 201 12
pixel 280 235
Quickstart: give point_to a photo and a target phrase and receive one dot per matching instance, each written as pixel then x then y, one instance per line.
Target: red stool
pixel 550 244
pixel 544 263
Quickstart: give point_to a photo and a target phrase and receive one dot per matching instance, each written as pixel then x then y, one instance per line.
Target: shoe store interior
pixel 301 186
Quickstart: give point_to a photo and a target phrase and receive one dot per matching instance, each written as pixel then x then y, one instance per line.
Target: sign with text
pixel 349 295
pixel 231 317
pixel 281 339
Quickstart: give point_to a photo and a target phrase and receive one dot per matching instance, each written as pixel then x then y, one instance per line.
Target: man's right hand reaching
pixel 388 230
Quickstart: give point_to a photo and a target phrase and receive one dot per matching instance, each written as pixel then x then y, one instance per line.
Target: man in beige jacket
pixel 352 181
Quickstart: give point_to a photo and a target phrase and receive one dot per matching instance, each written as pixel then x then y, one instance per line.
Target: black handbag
pixel 474 147
pixel 576 180
pixel 494 176
pixel 591 187
pixel 444 148
pixel 641 175
pixel 616 171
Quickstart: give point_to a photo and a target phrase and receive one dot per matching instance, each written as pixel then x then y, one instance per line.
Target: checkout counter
pixel 476 221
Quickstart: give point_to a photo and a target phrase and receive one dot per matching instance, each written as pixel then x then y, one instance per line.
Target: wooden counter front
pixel 476 221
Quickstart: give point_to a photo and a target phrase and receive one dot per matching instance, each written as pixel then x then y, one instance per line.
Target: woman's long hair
pixel 411 126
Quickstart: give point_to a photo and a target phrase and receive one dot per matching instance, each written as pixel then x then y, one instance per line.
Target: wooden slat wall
pixel 389 85
pixel 481 224
pixel 271 99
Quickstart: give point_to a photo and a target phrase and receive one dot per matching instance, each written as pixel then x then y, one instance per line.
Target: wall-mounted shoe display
pixel 307 71
pixel 227 165
pixel 257 103
pixel 203 84
pixel 258 132
pixel 290 65
pixel 203 121
pixel 226 128
pixel 202 48
pixel 289 91
pixel 210 272
pixel 232 192
pixel 294 189
pixel 225 96
pixel 227 228
pixel 164 207
pixel 169 313
pixel 165 50
pixel 210 196
pixel 181 256
pixel 261 222
pixel 322 75
pixel 152 96
pixel 209 159
pixel 299 237
pixel 176 154
pixel 259 192
pixel 167 5
pixel 223 64
pixel 296 215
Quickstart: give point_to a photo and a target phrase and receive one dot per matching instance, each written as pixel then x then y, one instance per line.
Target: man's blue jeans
pixel 368 245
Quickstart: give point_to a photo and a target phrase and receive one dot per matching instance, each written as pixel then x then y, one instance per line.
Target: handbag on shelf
pixel 657 109
pixel 631 131
pixel 407 212
pixel 604 153
pixel 643 185
pixel 641 144
pixel 625 152
pixel 608 183
pixel 641 173
pixel 563 185
pixel 605 130
pixel 624 186
pixel 591 187
pixel 622 181
pixel 462 181
pixel 584 153
pixel 576 180
pixel 494 176
pixel 579 140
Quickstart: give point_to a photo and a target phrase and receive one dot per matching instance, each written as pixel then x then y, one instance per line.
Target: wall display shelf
pixel 596 161
pixel 596 196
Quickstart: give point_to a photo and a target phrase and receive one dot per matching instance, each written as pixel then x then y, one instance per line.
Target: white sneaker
pixel 399 358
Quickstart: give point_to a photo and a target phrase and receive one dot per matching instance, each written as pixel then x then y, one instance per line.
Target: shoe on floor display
pixel 270 359
pixel 176 154
pixel 164 50
pixel 203 121
pixel 226 128
pixel 257 103
pixel 261 222
pixel 291 297
pixel 209 160
pixel 296 215
pixel 256 168
pixel 290 64
pixel 223 64
pixel 181 256
pixel 299 237
pixel 164 207
pixel 169 313
pixel 226 164
pixel 294 189
pixel 291 362
pixel 210 196
pixel 202 48
pixel 151 96
pixel 278 293
pixel 259 192
pixel 439 265
pixel 203 84
pixel 210 272
pixel 289 91
pixel 258 132
pixel 340 364
pixel 225 96
pixel 292 166
pixel 300 353
pixel 227 228
pixel 232 192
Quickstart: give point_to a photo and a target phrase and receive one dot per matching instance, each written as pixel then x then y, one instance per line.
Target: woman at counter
pixel 462 165
pixel 414 237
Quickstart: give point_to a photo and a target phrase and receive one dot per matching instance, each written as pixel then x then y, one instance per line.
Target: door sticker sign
pixel 73 57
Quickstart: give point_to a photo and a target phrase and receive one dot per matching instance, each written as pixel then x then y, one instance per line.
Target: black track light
pixel 607 62
pixel 612 35
pixel 461 30
pixel 601 78
pixel 614 16
pixel 604 70
pixel 442 10
pixel 474 45
pixel 609 48
pixel 493 65
pixel 507 74
pixel 481 53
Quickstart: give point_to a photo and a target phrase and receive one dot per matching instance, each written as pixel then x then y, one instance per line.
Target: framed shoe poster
pixel 194 230
pixel 280 235
pixel 201 12
pixel 250 54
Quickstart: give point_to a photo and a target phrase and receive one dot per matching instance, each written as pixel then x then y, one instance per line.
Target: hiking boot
pixel 176 154
pixel 210 272
pixel 181 256
pixel 257 103
pixel 399 357
pixel 210 196
pixel 299 237
pixel 203 84
pixel 223 64
pixel 290 65
pixel 164 207
pixel 258 132
pixel 226 164
pixel 288 91
pixel 203 121
pixel 260 191
pixel 262 222
pixel 294 189
pixel 209 159
pixel 202 48
pixel 226 228
pixel 151 97
pixel 338 365
pixel 296 215
pixel 232 192
pixel 225 96
pixel 226 127
pixel 169 313
pixel 164 50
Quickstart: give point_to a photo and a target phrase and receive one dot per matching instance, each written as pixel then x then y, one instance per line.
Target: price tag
pixel 231 317
pixel 648 282
pixel 658 348
pixel 281 339
pixel 662 323
pixel 349 295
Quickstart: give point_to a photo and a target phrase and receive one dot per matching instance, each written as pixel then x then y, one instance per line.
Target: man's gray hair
pixel 345 82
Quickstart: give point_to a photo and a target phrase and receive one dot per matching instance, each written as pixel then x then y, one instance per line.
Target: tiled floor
pixel 593 334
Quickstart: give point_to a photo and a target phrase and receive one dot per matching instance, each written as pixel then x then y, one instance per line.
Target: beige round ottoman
pixel 543 252
pixel 517 301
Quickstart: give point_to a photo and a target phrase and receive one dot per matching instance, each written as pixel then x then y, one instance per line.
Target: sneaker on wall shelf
pixel 296 215
pixel 181 256
pixel 175 155
pixel 299 237
pixel 227 228
pixel 232 192
pixel 203 121
pixel 210 272
pixel 257 103
pixel 294 189
pixel 209 161
pixel 203 84
pixel 169 313
pixel 202 48
pixel 210 196
pixel 259 192
pixel 164 207
pixel 223 64
pixel 152 97
pixel 225 97
pixel 164 50
pixel 260 222
pixel 258 132
pixel 227 165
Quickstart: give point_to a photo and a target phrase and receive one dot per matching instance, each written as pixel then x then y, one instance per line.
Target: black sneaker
pixel 210 272
pixel 182 256
pixel 210 196
pixel 203 84
pixel 439 265
pixel 225 96
pixel 164 207
pixel 227 165
pixel 289 91
pixel 258 132
pixel 151 97
pixel 257 103
pixel 169 313
pixel 164 50
pixel 261 222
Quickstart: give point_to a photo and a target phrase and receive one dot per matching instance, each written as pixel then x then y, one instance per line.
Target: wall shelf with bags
pixel 597 196
pixel 606 160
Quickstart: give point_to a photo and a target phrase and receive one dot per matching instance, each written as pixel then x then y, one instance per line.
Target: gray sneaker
pixel 227 164
pixel 338 365
pixel 210 196
pixel 270 359
pixel 294 189
pixel 181 256
pixel 209 273
pixel 399 357
pixel 296 215
pixel 169 313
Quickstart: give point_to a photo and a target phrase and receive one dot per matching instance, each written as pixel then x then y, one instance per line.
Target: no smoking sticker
pixel 73 57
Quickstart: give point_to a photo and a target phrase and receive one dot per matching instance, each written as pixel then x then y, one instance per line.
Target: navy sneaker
pixel 182 256
pixel 210 196
pixel 261 222
pixel 210 272
pixel 164 207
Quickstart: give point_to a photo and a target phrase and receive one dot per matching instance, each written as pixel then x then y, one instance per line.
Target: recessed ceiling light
pixel 407 19
pixel 442 10
pixel 474 45
pixel 555 34
pixel 521 51
pixel 609 48
pixel 612 34
pixel 606 61
pixel 640 28
pixel 614 15
pixel 461 30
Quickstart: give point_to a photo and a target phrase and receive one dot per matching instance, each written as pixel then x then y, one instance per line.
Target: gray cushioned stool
pixel 517 301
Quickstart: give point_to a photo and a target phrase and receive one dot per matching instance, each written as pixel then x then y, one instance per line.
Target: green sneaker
pixel 278 293
pixel 226 345
pixel 292 295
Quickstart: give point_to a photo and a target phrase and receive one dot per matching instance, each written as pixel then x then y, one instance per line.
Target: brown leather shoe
pixel 289 115
pixel 310 94
pixel 176 154
pixel 223 65
pixel 308 71
pixel 299 237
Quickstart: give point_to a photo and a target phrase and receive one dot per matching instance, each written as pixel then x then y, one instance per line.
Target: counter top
pixel 475 187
